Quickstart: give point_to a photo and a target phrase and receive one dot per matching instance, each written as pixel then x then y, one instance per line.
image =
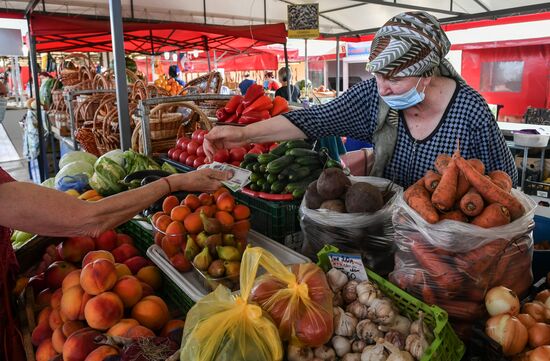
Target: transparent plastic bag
pixel 226 327
pixel 453 264
pixel 370 234
pixel 298 298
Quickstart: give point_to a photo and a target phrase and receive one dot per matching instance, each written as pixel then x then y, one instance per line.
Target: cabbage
pixel 74 175
pixel 77 155
pixel 50 183
pixel 116 155
pixel 107 177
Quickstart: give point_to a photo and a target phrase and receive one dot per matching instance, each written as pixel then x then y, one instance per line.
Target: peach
pixel 151 312
pixel 43 298
pixel 55 301
pixel 72 279
pixel 139 331
pixel 122 327
pixel 73 302
pixel 171 326
pixel 80 344
pixel 104 311
pixel 71 327
pixel 99 254
pixel 122 270
pixel 122 238
pixel 44 315
pixel 55 319
pixel 73 249
pixel 147 290
pixel 225 202
pixel 58 339
pixel 101 353
pixel 150 275
pixel 124 251
pixel 56 273
pixel 45 350
pixel 41 333
pixel 128 288
pixel 98 276
pixel 106 240
pixel 136 263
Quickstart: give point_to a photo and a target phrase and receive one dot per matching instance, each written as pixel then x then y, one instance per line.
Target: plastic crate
pixel 179 166
pixel 141 232
pixel 541 258
pixel 446 346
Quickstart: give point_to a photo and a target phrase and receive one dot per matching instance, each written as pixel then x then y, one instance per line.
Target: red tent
pixel 82 34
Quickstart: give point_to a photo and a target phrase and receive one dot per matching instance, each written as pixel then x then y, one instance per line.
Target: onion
pixel 539 334
pixel 542 296
pixel 508 332
pixel 541 353
pixel 536 310
pixel 526 319
pixel 501 300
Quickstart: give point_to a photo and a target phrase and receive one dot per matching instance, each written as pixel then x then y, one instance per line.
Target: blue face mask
pixel 405 100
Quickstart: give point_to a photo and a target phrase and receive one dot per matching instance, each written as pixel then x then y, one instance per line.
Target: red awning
pixel 82 34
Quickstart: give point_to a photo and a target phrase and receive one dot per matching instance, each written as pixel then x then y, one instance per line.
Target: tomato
pixel 198 161
pixel 183 157
pixel 192 147
pixel 256 150
pixel 200 137
pixel 221 156
pixel 176 154
pixel 237 154
pixel 200 152
pixel 182 142
pixel 190 160
pixel 236 163
pixel 171 152
pixel 273 146
pixel 195 135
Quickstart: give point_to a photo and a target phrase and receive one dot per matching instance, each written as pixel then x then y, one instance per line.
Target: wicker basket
pixel 210 83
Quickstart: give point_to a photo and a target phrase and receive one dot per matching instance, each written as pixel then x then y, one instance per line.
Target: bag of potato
pixel 225 327
pixel 351 221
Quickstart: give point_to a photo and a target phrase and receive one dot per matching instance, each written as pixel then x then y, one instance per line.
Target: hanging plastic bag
pixel 453 264
pixel 225 327
pixel 370 234
pixel 298 298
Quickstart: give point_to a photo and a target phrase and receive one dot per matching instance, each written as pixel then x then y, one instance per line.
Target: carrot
pixel 488 190
pixel 455 215
pixel 418 198
pixel 477 165
pixel 431 180
pixel 428 291
pixel 471 203
pixel 442 162
pixel 494 215
pixel 479 260
pixel 438 267
pixel 463 310
pixel 444 196
pixel 462 186
pixel 501 179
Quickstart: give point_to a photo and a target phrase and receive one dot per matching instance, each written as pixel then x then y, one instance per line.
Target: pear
pixel 229 240
pixel 212 242
pixel 201 239
pixel 216 269
pixel 203 260
pixel 228 253
pixel 191 248
pixel 211 225
pixel 232 268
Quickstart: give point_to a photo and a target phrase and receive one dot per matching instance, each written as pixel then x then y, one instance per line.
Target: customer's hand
pixel 223 137
pixel 202 180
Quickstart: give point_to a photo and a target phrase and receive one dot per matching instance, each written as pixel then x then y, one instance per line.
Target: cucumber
pixel 298 174
pixel 263 168
pixel 243 164
pixel 256 168
pixel 250 167
pixel 266 187
pixel 298 192
pixel 255 187
pixel 266 158
pixel 290 187
pixel 254 177
pixel 251 157
pixel 277 166
pixel 331 163
pixel 301 152
pixel 284 173
pixel 277 187
pixel 298 144
pixel 315 173
pixel 261 182
pixel 271 178
pixel 279 150
pixel 309 161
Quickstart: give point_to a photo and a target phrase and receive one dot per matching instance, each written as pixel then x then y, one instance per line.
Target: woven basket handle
pixel 203 119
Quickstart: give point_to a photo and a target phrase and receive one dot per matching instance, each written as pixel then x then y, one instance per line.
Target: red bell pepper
pixel 239 110
pixel 222 114
pixel 262 103
pixel 254 92
pixel 232 118
pixel 280 105
pixel 253 117
pixel 233 103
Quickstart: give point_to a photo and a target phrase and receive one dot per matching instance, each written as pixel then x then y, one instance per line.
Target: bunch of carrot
pixel 459 190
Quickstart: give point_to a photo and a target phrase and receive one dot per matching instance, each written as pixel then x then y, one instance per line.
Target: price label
pixel 350 264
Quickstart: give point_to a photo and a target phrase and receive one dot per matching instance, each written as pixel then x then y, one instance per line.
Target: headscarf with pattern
pixel 410 44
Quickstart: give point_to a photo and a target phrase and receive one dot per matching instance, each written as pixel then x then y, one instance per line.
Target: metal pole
pixel 115 12
pixel 289 80
pixel 204 13
pixel 43 164
pixel 207 53
pixel 306 67
pixel 337 65
pixel 70 111
pixel 265 12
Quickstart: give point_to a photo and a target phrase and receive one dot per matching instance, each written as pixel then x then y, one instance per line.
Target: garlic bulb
pixel 295 353
pixel 336 279
pixel 325 353
pixel 367 292
pixel 358 346
pixel 358 309
pixel 416 345
pixel 344 323
pixel 382 311
pixel 419 327
pixel 349 292
pixel 341 345
pixel 401 324
pixel 368 331
pixel 373 353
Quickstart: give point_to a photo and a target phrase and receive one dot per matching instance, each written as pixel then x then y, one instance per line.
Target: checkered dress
pixel 467 117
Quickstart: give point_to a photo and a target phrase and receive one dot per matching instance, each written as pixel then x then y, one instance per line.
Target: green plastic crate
pixel 143 237
pixel 446 346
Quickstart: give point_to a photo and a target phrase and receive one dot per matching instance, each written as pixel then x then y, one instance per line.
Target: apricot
pixel 226 202
pixel 101 353
pixel 171 245
pixel 150 275
pixel 71 327
pixel 179 213
pixel 124 251
pixel 45 350
pixel 139 331
pixel 192 201
pixel 58 339
pixel 44 315
pixel 55 320
pixel 122 270
pixel 104 310
pixel 171 326
pixel 55 301
pixel 98 276
pixel 193 223
pixel 99 254
pixel 169 203
pixel 128 288
pixel 219 192
pixel 156 216
pixel 163 222
pixel 225 219
pixel 122 326
pixel 206 199
pixel 175 228
pixel 40 333
pixel 210 211
pixel 241 212
pixel 241 228
pixel 136 263
pixel 80 344
pixel 72 279
pixel 158 238
pixel 151 312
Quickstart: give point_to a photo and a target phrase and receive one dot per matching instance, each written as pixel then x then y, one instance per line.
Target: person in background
pixel 246 83
pixel 269 82
pixel 3 89
pixel 174 73
pixel 284 75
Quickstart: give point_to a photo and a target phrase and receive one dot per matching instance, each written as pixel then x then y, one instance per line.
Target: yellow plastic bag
pixel 225 327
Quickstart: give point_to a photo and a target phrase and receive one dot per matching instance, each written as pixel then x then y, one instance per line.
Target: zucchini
pixel 256 168
pixel 298 174
pixel 266 158
pixel 254 177
pixel 309 161
pixel 301 152
pixel 277 166
pixel 271 178
pixel 255 187
pixel 277 187
pixel 298 192
pixel 279 150
pixel 250 157
pixel 298 144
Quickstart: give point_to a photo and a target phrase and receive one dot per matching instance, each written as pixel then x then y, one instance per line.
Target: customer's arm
pixel 36 209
